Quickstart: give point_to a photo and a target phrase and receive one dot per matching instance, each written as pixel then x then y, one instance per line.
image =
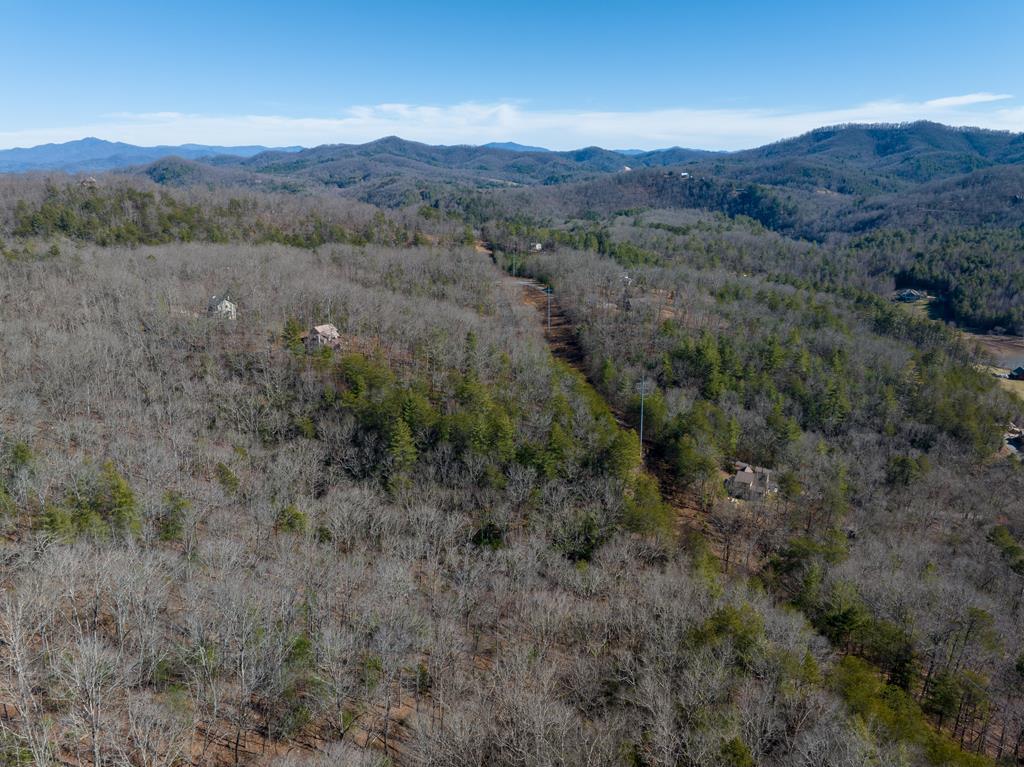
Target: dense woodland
pixel 442 542
pixel 881 434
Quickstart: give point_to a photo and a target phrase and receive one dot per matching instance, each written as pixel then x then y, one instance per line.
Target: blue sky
pixel 721 74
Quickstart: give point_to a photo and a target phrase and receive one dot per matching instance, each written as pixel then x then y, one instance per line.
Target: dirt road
pixel 564 344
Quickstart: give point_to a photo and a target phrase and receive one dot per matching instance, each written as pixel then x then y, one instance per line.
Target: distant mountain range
pixel 846 162
pixel 96 155
pixel 93 154
pixel 394 172
pixel 512 146
pixel 345 163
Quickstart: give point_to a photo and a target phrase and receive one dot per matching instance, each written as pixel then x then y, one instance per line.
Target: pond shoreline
pixel 1006 351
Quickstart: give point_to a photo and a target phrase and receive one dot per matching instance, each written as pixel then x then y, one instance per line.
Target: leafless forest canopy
pixel 439 540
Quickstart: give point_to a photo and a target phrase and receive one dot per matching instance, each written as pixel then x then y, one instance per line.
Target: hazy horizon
pixel 506 140
pixel 722 78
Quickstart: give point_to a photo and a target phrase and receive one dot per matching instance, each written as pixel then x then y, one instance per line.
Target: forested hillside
pixel 437 537
pixel 912 205
pixel 434 542
pixel 866 159
pixel 885 532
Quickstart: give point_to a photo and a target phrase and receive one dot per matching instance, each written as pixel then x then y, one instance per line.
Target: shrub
pixel 291 520
pixel 735 753
pixel 170 521
pixel 21 456
pixel 227 478
pixel 645 511
pixel 580 538
pixel 108 506
pixel 740 625
pixel 7 507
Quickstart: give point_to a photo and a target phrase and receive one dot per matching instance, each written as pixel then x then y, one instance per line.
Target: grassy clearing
pixel 1014 387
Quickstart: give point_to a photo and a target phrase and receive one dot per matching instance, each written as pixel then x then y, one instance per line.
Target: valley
pixel 377 511
pixel 512 384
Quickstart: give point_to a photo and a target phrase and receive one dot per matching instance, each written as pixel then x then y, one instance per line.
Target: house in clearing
pixel 751 483
pixel 321 336
pixel 909 295
pixel 222 306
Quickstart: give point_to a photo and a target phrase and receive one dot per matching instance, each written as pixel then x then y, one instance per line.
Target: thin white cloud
pixel 966 100
pixel 477 123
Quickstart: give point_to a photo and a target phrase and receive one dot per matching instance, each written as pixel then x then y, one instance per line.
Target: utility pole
pixel 643 393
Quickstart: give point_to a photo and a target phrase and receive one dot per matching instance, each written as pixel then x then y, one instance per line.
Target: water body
pixel 1007 351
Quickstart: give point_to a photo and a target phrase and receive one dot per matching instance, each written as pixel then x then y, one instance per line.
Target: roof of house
pixel 325 330
pixel 754 477
pixel 216 301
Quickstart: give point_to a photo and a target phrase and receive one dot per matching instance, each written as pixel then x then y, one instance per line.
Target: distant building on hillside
pixel 222 306
pixel 1013 440
pixel 1017 374
pixel 538 246
pixel 751 483
pixel 910 295
pixel 321 336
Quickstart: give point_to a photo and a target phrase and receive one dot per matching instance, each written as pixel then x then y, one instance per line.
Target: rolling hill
pixel 512 146
pixel 872 159
pixel 345 164
pixel 855 160
pixel 93 154
pixel 837 179
pixel 852 160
